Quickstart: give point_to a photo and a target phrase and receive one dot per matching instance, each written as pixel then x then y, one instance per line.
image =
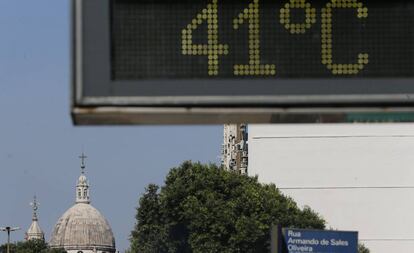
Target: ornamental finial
pixel 35 206
pixel 83 158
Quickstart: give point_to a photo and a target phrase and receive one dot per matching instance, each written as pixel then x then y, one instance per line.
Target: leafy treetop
pixel 32 246
pixel 203 208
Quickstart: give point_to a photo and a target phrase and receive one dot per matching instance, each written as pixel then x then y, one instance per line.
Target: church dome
pixel 83 227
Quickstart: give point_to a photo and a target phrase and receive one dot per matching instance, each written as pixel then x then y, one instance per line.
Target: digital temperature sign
pixel 156 39
pixel 223 61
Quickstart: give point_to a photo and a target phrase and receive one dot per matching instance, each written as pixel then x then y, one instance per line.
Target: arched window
pixel 79 193
pixel 85 192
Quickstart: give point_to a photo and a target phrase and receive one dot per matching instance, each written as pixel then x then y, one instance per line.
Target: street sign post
pixel 260 61
pixel 307 240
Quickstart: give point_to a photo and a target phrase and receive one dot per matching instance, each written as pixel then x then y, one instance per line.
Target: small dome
pixel 35 232
pixel 83 227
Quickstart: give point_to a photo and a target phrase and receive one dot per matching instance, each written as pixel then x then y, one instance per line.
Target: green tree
pixel 32 246
pixel 3 248
pixel 202 209
pixel 362 249
pixel 150 233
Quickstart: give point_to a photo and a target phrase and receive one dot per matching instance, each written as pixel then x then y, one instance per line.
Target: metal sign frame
pixel 97 99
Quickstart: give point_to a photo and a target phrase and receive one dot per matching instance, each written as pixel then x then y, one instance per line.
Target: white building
pixel 82 228
pixel 358 177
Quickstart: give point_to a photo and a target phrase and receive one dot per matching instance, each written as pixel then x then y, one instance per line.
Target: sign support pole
pixel 275 239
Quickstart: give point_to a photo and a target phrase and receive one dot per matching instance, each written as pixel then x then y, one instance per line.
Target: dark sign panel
pixel 321 241
pixel 234 39
pixel 216 61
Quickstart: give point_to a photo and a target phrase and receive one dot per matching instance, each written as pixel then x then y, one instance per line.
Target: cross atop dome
pixel 83 158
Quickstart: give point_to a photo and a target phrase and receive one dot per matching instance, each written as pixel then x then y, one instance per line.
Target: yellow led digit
pixel 310 16
pixel 212 49
pixel 326 37
pixel 254 67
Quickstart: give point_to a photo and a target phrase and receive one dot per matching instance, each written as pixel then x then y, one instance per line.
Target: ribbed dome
pixel 83 227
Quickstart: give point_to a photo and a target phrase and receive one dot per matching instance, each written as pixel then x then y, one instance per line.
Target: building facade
pixel 355 176
pixel 235 148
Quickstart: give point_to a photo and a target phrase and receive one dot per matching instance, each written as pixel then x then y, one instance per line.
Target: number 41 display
pixel 250 16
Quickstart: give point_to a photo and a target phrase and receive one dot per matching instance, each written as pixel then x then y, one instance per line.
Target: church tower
pixel 235 148
pixel 35 232
pixel 82 187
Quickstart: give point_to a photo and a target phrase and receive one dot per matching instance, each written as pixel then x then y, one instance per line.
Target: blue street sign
pixel 319 241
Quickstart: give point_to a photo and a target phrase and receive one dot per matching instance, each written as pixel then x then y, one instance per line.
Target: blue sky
pixel 39 146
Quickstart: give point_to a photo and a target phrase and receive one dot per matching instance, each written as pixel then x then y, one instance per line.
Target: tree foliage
pixel 202 208
pixel 363 249
pixel 32 246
